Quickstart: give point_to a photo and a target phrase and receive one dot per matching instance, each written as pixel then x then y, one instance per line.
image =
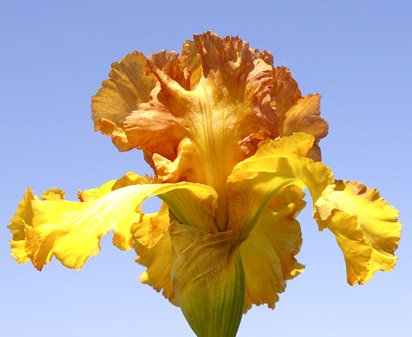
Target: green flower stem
pixel 213 305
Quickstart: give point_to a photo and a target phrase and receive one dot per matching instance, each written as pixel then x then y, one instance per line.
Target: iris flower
pixel 232 143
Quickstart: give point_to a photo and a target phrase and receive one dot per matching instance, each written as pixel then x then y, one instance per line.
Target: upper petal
pixel 227 101
pixel 151 127
pixel 191 63
pixel 128 86
pixel 296 113
pixel 285 91
pixel 220 94
pixel 304 116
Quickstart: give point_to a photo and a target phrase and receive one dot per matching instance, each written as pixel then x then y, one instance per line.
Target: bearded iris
pixel 232 143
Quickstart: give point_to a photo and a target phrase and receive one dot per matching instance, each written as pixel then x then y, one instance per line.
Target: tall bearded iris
pixel 232 143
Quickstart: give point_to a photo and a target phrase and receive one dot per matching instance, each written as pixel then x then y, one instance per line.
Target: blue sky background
pixel 54 56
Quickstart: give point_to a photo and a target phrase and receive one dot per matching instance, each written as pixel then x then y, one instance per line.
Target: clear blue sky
pixel 55 54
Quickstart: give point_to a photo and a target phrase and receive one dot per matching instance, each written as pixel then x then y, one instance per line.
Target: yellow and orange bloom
pixel 232 143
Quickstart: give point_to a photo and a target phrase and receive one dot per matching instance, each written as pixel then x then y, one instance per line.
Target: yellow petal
pixel 158 260
pixel 154 251
pixel 53 194
pixel 277 164
pixel 71 231
pixel 18 224
pixel 365 226
pixel 130 178
pixel 127 87
pixel 274 242
pixel 151 227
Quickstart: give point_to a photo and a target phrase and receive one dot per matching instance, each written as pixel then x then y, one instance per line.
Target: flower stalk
pixel 213 305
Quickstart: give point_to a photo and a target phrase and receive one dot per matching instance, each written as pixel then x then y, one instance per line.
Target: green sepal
pixel 213 305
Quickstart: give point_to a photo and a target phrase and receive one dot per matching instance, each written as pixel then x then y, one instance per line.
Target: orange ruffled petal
pixel 220 95
pixel 128 86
